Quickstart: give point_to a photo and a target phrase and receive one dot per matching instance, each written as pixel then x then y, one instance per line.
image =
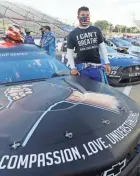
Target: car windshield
pixel 130 40
pixel 135 49
pixel 122 42
pixel 25 63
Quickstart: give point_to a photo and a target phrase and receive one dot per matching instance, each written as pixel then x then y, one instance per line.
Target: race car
pixel 125 68
pixel 55 124
pixel 137 42
pixel 118 44
pixel 134 50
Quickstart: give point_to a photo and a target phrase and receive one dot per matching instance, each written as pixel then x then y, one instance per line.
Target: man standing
pixel 42 33
pixel 89 45
pixel 48 41
pixel 28 38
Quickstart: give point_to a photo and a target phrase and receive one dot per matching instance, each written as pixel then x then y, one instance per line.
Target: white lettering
pixel 76 153
pixel 95 33
pixel 88 41
pixel 62 156
pixel 90 34
pixel 12 162
pixel 68 155
pixel 33 159
pixel 58 159
pixel 79 43
pixel 6 157
pixel 23 162
pixel 41 160
pixel 87 151
pixel 50 160
pixel 103 144
pixel 111 139
pixel 77 37
pixel 92 147
pixel 124 129
pixel 13 54
pixel 81 36
pixel 115 136
pixel 119 134
pixel 98 144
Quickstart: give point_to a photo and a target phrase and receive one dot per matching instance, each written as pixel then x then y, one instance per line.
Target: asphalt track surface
pixel 132 91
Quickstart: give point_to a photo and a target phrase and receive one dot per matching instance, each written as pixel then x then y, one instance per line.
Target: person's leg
pixel 97 74
pixel 92 73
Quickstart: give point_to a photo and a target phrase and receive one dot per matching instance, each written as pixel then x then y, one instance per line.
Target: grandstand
pixel 29 18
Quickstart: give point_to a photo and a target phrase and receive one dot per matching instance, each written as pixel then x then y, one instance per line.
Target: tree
pixel 102 24
pixel 134 29
pixel 108 27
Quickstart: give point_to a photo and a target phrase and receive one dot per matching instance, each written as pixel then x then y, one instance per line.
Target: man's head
pixel 84 16
pixel 45 29
pixel 28 31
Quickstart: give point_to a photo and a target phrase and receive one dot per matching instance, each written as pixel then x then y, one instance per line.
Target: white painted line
pixel 29 135
pixel 127 90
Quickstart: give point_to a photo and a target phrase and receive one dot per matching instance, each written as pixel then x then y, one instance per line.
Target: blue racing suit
pixel 48 43
pixel 29 40
pixel 41 40
pixel 92 71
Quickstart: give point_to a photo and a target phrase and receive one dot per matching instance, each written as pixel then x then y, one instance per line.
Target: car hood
pixel 64 125
pixel 125 60
pixel 123 46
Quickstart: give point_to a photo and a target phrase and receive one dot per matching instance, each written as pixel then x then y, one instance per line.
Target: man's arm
pixel 103 52
pixel 70 49
pixel 70 57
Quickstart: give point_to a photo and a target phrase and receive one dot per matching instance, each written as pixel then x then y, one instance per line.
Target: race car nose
pixel 73 122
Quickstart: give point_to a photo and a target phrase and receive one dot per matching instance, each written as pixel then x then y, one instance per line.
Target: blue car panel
pixel 125 68
pixel 26 62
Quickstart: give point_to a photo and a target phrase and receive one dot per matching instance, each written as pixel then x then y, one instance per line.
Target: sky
pixel 114 11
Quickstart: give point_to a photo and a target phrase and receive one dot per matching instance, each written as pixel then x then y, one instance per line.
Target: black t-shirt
pixel 86 43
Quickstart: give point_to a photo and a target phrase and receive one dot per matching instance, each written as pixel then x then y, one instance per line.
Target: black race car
pixel 57 125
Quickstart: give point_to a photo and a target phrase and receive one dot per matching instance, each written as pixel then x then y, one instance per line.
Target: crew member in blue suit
pixel 89 46
pixel 28 38
pixel 48 41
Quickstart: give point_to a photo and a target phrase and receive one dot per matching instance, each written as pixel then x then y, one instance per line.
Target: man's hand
pixel 74 72
pixel 107 69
